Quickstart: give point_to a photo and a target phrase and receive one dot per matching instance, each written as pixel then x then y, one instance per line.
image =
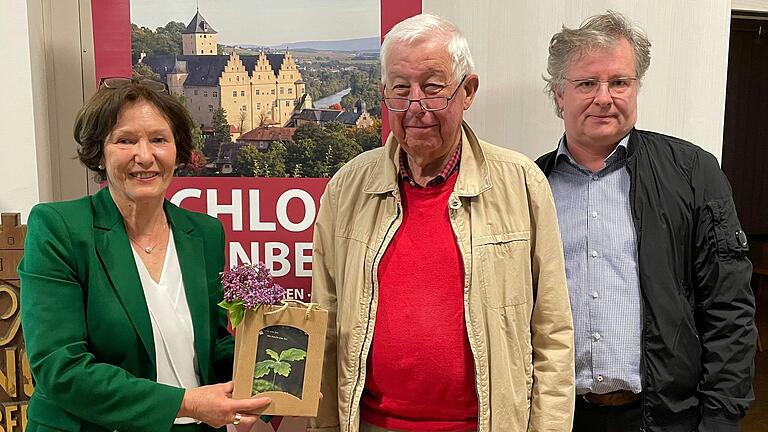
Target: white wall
pixel 48 54
pixel 18 177
pixel 683 92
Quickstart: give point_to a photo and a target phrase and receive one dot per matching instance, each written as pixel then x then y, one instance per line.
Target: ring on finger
pixel 237 419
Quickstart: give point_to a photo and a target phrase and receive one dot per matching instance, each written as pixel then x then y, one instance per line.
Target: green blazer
pixel 86 324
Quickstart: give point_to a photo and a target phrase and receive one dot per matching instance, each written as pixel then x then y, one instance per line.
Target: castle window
pixel 242 93
pixel 234 93
pixel 211 51
pixel 210 108
pixel 243 108
pixel 258 106
pixel 238 78
pixel 287 103
pixel 290 90
pixel 258 92
pixel 215 94
pixel 195 92
pixel 272 91
pixel 282 90
pixel 205 93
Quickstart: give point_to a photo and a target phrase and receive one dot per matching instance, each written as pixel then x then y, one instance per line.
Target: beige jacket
pixel 515 297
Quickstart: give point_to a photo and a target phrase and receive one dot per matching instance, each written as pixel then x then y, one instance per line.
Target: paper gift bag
pixel 279 354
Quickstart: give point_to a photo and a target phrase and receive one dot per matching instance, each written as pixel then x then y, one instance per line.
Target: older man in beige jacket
pixel 440 260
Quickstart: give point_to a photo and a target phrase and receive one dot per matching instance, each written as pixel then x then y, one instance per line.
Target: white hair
pixel 424 27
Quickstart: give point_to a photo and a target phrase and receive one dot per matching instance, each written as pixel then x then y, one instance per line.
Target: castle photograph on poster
pixel 276 91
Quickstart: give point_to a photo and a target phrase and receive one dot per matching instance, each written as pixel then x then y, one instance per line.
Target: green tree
pixel 140 70
pixel 330 149
pixel 251 162
pixel 220 126
pixel 366 86
pixel 299 158
pixel 274 161
pixel 197 136
pixel 367 137
pixel 247 158
pixel 163 40
pixel 220 129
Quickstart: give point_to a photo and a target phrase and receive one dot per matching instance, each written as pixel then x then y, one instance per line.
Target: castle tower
pixel 360 106
pixel 199 38
pixel 175 79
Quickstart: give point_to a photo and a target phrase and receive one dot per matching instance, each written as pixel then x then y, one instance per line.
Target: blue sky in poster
pixel 258 22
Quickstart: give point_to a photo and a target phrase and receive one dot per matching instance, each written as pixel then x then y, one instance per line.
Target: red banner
pixel 265 219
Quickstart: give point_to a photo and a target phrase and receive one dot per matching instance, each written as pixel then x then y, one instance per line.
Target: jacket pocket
pixel 730 240
pixel 504 268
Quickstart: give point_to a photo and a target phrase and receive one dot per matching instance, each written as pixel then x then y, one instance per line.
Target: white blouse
pixel 171 324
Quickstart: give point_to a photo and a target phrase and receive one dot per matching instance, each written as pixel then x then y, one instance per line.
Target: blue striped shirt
pixel 600 246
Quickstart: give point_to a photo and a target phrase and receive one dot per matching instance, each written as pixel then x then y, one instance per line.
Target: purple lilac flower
pixel 251 284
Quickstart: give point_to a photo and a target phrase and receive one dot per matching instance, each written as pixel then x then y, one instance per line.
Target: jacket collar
pixel 473 179
pixel 114 251
pixel 547 161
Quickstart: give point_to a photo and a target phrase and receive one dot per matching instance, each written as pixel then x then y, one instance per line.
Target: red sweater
pixel 420 372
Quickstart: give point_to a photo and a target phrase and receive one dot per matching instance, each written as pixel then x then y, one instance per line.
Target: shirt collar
pixel 450 166
pixel 618 153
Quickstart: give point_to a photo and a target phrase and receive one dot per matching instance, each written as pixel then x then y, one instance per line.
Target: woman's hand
pixel 213 405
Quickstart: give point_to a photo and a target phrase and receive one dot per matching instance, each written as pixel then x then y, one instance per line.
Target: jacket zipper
pixel 355 398
pixel 636 223
pixel 452 212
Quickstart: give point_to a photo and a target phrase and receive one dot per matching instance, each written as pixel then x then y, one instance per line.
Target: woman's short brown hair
pixel 98 117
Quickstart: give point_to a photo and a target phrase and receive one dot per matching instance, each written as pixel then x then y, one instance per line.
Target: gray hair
pixel 599 31
pixel 426 26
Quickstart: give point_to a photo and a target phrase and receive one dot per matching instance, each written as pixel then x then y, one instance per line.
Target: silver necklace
pixel 147 249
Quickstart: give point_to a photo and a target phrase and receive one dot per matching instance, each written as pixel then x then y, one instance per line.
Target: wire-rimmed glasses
pixel 589 86
pixel 431 103
pixel 119 82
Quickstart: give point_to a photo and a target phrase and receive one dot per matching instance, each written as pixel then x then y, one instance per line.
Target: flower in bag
pixel 248 286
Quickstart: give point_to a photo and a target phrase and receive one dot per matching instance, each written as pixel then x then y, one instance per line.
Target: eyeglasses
pixel 590 86
pixel 432 103
pixel 119 82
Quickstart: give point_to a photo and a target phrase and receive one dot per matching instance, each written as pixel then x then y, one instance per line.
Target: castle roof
pixel 268 134
pixel 275 60
pixel 205 70
pixel 198 25
pixel 349 118
pixel 319 115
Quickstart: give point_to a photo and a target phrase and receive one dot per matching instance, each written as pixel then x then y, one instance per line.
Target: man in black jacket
pixel 655 255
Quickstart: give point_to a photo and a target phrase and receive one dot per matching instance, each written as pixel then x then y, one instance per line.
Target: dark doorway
pixel 745 162
pixel 745 137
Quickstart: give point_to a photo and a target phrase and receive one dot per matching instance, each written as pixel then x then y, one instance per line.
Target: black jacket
pixel 698 308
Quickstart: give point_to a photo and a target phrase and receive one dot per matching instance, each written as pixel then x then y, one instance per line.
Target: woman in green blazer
pixel 119 289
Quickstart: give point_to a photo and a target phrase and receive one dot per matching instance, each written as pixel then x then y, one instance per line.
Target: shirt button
pixel 600 378
pixel 595 178
pixel 595 294
pixel 594 214
pixel 596 336
pixel 594 254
